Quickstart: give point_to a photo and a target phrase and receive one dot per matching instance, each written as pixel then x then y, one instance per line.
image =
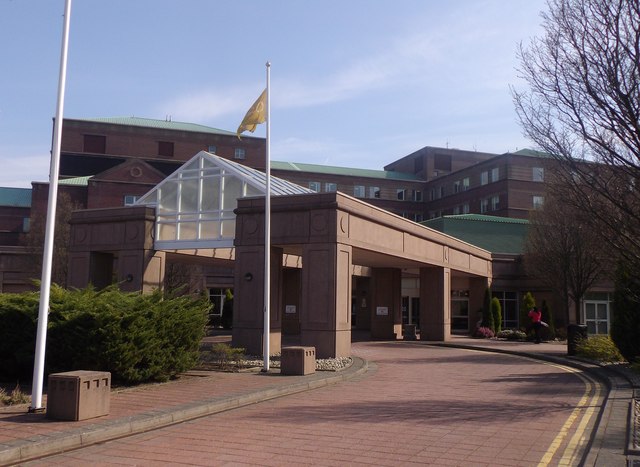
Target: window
pixel 129 200
pixel 465 208
pixel 596 313
pixel 314 186
pixel 509 304
pixel 456 210
pixel 495 174
pixel 484 205
pixel 417 217
pixel 374 192
pixel 417 195
pixel 456 186
pixel 538 202
pixel 358 191
pixel 441 189
pixel 484 178
pixel 239 153
pixel 96 144
pixel 537 174
pixel 165 148
pixel 495 203
pixel 465 184
pixel 330 187
pixel 402 194
pixel 212 149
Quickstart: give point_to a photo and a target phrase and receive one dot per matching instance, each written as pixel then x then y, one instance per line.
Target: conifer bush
pixel 135 337
pixel 18 314
pixel 496 313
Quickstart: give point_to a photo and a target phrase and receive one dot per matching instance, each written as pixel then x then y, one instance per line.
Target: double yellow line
pixel 586 408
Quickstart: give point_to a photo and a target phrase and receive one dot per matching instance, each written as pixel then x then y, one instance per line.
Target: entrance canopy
pixel 194 205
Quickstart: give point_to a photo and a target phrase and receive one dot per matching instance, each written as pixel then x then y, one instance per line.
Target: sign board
pixel 290 309
pixel 382 311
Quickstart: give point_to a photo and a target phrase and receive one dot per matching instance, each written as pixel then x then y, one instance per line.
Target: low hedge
pixel 135 337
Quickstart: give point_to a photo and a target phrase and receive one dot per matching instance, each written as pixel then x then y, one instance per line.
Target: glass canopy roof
pixel 194 205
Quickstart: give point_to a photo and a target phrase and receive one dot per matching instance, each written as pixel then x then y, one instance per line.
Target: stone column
pixel 325 312
pixel 435 304
pixel 248 301
pixel 386 309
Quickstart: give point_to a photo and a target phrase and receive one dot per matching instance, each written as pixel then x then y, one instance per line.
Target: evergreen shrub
pixel 599 348
pixel 135 337
pixel 496 313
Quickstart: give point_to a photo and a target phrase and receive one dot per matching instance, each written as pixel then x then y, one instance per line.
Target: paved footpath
pixel 401 403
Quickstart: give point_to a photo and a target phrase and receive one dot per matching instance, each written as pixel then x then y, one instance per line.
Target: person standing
pixel 536 321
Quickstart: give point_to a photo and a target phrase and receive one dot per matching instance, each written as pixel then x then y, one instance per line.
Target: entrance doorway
pixel 411 311
pixel 459 311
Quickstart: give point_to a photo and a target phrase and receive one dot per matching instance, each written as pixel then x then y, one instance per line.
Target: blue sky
pixel 354 83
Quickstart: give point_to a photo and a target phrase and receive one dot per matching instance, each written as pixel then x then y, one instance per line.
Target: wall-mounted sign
pixel 382 310
pixel 290 309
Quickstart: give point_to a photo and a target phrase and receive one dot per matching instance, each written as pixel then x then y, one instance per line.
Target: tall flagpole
pixel 267 231
pixel 45 285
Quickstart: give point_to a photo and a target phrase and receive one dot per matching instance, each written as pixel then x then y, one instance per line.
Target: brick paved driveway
pixel 418 405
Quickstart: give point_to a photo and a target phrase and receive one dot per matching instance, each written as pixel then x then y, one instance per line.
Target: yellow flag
pixel 255 115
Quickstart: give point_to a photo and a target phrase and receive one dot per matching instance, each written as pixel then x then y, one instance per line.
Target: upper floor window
pixel 465 184
pixel 417 195
pixel 129 200
pixel 330 187
pixel 358 191
pixel 495 203
pixel 165 148
pixel 212 149
pixel 239 153
pixel 538 174
pixel 457 186
pixel 495 174
pixel 374 192
pixel 538 201
pixel 484 205
pixel 314 186
pixel 96 144
pixel 484 178
pixel 402 194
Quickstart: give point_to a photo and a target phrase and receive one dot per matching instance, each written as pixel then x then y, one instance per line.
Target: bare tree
pixel 34 240
pixel 563 252
pixel 582 108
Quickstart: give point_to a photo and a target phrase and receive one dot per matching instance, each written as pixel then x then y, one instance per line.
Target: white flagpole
pixel 267 231
pixel 45 285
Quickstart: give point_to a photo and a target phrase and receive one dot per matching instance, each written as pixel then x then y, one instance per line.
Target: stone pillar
pixel 386 319
pixel 325 312
pixel 435 304
pixel 248 300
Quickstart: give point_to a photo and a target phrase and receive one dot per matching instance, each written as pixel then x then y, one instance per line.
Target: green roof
pixel 160 124
pixel 77 181
pixel 346 171
pixel 15 197
pixel 495 234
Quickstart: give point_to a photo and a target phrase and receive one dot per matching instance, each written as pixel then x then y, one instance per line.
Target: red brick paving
pixel 418 405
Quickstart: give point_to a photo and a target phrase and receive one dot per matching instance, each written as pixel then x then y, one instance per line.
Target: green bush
pixel 18 313
pixel 487 316
pixel 225 357
pixel 496 313
pixel 599 348
pixel 528 302
pixel 512 335
pixel 135 337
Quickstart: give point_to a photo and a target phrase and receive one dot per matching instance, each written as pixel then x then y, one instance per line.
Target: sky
pixel 354 83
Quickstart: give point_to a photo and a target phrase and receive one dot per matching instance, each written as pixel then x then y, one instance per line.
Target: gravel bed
pixel 322 364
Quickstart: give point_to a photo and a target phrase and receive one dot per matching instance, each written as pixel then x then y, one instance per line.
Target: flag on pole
pixel 256 115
